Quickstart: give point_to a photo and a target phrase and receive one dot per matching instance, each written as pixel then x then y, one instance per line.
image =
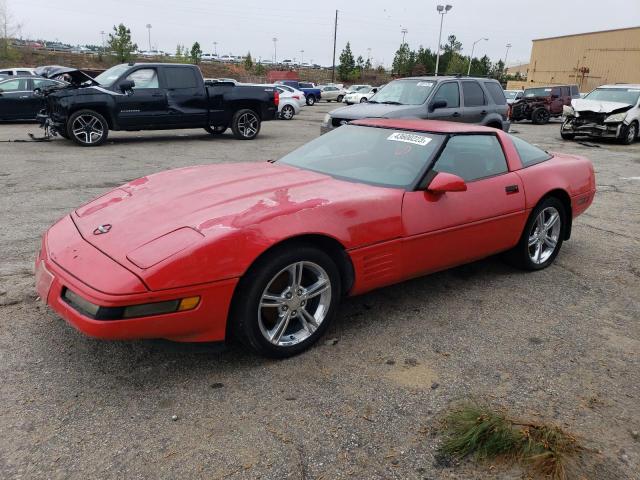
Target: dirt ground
pixel 559 345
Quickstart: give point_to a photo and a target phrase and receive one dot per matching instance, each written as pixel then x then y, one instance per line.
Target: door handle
pixel 455 114
pixel 483 112
pixel 26 96
pixel 511 189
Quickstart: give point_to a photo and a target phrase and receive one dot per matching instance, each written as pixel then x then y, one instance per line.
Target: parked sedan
pixel 19 101
pixel 289 104
pixel 361 95
pixel 332 93
pixel 264 251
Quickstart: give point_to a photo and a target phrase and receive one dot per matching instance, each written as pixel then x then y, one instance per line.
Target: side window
pixel 565 91
pixel 472 157
pixel 496 93
pixel 473 94
pixel 529 154
pixel 450 93
pixel 42 83
pixel 23 72
pixel 17 85
pixel 178 77
pixel 144 78
pixel 574 91
pixel 555 91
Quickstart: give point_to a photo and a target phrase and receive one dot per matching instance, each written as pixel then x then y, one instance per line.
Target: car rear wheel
pixel 628 134
pixel 287 112
pixel 311 99
pixel 216 129
pixel 542 236
pixel 286 301
pixel 87 128
pixel 540 116
pixel 339 99
pixel 245 124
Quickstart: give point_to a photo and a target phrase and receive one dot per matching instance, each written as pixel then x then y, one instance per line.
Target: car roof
pixel 621 85
pixel 418 125
pixel 448 77
pixel 16 77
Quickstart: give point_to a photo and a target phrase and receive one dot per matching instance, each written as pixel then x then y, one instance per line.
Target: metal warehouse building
pixel 586 59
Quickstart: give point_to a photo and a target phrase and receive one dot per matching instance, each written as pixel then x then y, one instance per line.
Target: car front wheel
pixel 339 99
pixel 286 301
pixel 540 116
pixel 287 112
pixel 87 128
pixel 629 134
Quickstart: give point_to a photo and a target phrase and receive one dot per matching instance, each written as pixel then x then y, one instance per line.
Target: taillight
pixel 297 97
pixel 276 97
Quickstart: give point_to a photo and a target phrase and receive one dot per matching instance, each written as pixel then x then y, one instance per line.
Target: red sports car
pixel 265 251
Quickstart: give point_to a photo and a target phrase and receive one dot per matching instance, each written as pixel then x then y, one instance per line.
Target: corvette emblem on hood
pixel 102 229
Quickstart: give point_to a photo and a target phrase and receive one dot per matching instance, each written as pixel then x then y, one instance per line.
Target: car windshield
pixel 108 77
pixel 405 92
pixel 376 156
pixel 537 92
pixel 510 94
pixel 622 95
pixel 356 88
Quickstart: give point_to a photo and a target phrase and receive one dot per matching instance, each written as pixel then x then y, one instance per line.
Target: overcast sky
pixel 250 25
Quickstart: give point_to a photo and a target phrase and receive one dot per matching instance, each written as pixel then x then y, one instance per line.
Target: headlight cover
pixel 616 117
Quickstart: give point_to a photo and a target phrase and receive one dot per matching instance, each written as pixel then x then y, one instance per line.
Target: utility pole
pixel 103 33
pixel 215 48
pixel 301 57
pixel 335 37
pixel 471 56
pixel 149 28
pixel 275 50
pixel 404 31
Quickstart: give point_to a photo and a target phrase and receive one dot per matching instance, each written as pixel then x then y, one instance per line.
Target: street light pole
pixel 301 57
pixel 404 31
pixel 215 48
pixel 103 33
pixel 442 10
pixel 506 55
pixel 149 28
pixel 275 50
pixel 471 56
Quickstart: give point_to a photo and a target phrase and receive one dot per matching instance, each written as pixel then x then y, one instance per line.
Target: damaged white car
pixel 609 111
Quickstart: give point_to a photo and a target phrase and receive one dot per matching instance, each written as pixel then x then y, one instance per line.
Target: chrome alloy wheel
pixel 294 304
pixel 88 129
pixel 248 125
pixel 544 235
pixel 631 133
pixel 287 112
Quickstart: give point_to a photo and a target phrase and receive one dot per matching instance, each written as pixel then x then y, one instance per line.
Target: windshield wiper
pixel 372 101
pixel 391 103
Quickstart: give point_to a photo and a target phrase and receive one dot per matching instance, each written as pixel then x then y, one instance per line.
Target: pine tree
pixel 120 43
pixel 347 64
pixel 196 53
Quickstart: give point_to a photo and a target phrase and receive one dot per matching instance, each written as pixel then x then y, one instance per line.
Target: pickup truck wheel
pixel 287 112
pixel 311 100
pixel 540 116
pixel 87 128
pixel 216 130
pixel 339 99
pixel 245 124
pixel 628 134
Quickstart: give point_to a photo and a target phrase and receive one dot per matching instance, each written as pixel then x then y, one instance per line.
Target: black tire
pixel 364 100
pixel 245 124
pixel 311 100
pixel 339 99
pixel 87 128
pixel 216 130
pixel 63 134
pixel 245 317
pixel 629 133
pixel 540 116
pixel 520 255
pixel 287 113
pixel 567 136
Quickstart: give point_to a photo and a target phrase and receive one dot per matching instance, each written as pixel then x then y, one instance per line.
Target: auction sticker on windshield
pixel 409 138
pixel 424 84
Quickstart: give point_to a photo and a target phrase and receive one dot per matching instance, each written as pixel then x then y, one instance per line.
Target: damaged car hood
pixel 77 76
pixel 598 106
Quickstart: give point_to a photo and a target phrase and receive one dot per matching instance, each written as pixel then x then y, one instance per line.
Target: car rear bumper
pixel 206 322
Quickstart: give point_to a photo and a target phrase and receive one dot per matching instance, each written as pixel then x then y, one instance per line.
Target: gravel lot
pixel 560 345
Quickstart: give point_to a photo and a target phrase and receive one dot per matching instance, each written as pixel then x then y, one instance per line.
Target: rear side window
pixel 42 83
pixel 472 157
pixel 529 154
pixel 473 94
pixel 17 85
pixel 23 72
pixel 496 93
pixel 305 85
pixel 450 93
pixel 575 93
pixel 180 77
pixel 565 91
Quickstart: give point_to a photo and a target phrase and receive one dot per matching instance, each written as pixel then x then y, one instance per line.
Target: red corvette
pixel 264 251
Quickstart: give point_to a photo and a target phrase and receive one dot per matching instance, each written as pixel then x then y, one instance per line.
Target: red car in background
pixel 264 251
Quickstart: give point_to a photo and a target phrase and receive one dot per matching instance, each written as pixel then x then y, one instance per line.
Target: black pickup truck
pixel 151 96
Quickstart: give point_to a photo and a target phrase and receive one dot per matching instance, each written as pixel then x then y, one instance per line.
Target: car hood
pixel 371 110
pixel 150 219
pixel 598 106
pixel 77 76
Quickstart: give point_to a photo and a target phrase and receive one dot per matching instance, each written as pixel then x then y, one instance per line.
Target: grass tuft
pixel 478 431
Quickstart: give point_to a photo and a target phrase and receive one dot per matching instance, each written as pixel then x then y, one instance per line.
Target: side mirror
pixel 437 104
pixel 447 182
pixel 126 85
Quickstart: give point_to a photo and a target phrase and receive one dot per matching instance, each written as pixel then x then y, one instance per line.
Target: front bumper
pixel 207 322
pixel 575 126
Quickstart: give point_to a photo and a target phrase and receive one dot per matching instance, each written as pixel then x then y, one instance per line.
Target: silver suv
pixel 455 99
